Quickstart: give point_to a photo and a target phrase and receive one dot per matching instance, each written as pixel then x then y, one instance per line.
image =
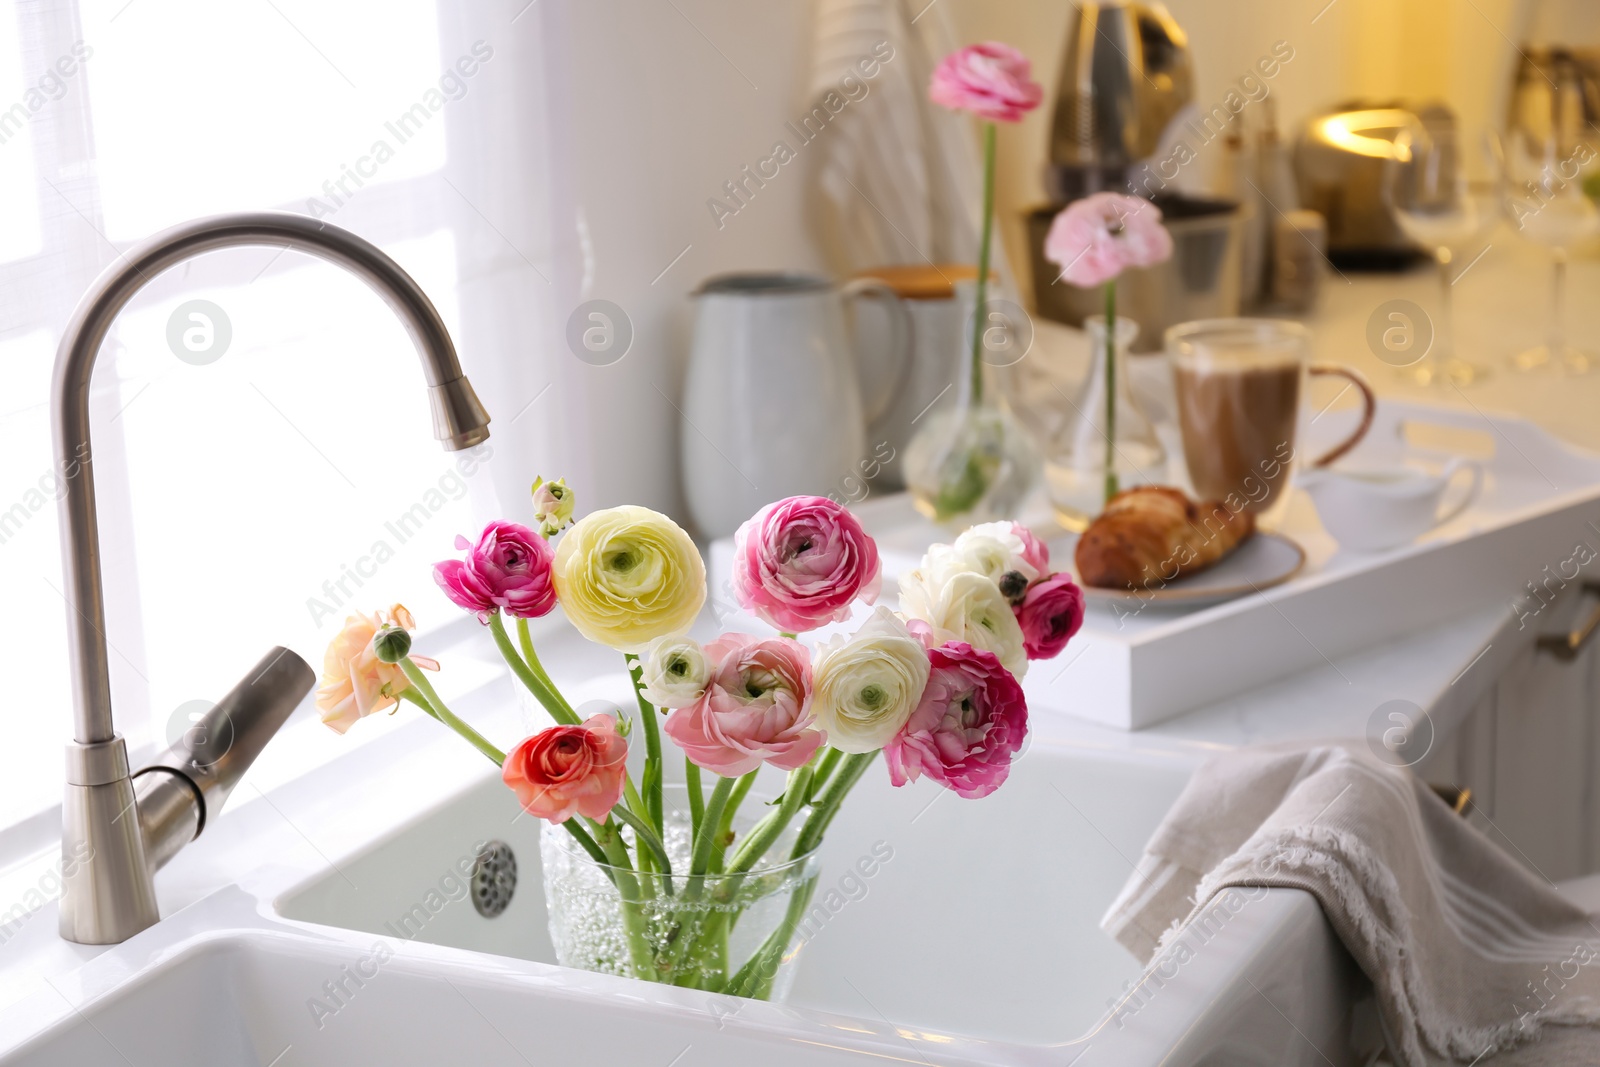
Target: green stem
pixel 704 838
pixel 647 839
pixel 697 797
pixel 762 837
pixel 725 835
pixel 1111 390
pixel 580 835
pixel 631 797
pixel 443 714
pixel 553 702
pixel 525 639
pixel 414 697
pixel 755 978
pixel 979 309
pixel 639 953
pixel 652 741
pixel 750 851
pixel 825 766
pixel 688 932
pixel 741 789
pixel 851 768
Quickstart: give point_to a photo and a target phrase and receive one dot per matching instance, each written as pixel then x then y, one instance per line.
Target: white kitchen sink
pixel 979 936
pixel 1005 893
pixel 976 942
pixel 241 1000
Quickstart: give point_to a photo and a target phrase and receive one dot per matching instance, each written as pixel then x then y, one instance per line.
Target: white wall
pixel 668 100
pixel 664 101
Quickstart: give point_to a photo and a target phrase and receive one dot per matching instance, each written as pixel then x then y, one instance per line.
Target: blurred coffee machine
pixel 1126 73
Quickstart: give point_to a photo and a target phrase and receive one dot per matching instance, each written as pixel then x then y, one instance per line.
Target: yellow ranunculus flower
pixel 626 576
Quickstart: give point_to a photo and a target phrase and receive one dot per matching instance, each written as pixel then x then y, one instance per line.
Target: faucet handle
pixel 192 779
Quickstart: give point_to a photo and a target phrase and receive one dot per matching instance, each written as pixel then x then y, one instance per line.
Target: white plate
pixel 1266 560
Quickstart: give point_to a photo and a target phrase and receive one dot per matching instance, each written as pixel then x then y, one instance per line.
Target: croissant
pixel 1152 534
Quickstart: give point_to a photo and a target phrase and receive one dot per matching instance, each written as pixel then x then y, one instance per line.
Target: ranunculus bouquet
pixel 703 895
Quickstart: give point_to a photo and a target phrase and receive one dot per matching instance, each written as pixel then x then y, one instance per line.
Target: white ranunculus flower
pixel 966 606
pixel 993 549
pixel 675 672
pixel 865 687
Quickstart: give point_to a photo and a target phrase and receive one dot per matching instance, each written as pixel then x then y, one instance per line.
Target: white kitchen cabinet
pixel 1529 749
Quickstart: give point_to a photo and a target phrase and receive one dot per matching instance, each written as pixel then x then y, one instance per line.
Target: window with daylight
pixel 263 457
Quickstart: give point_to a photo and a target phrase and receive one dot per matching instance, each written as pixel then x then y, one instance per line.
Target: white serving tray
pixel 1133 667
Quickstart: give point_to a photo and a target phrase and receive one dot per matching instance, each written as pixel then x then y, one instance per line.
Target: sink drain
pixel 494 879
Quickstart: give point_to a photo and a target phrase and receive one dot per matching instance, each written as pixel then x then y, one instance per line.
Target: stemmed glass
pixel 1433 201
pixel 1546 203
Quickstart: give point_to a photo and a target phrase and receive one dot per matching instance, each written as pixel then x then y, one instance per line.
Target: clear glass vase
pixel 1077 476
pixel 738 935
pixel 970 460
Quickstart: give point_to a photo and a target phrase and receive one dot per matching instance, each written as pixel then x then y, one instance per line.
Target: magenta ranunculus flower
pixel 756 708
pixel 991 80
pixel 967 728
pixel 1050 613
pixel 802 562
pixel 1095 239
pixel 509 568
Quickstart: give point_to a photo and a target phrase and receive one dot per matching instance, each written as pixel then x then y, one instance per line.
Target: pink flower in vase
pixel 569 770
pixel 968 727
pixel 509 567
pixel 1050 614
pixel 756 708
pixel 1095 239
pixel 991 80
pixel 802 562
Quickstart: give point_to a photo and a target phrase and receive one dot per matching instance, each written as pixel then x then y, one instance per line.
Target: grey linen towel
pixel 1473 958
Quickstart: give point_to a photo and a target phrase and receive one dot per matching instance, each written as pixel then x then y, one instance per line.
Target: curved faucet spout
pixel 110 896
pixel 459 419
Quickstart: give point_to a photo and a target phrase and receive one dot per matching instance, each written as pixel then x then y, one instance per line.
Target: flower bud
pixel 391 644
pixel 553 504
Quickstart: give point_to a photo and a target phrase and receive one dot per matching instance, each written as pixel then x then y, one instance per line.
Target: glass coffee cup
pixel 1239 387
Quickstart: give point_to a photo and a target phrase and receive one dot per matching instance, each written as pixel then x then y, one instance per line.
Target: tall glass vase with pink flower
pixel 1103 442
pixel 970 460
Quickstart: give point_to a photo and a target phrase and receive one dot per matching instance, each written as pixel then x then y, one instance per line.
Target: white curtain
pixel 258 498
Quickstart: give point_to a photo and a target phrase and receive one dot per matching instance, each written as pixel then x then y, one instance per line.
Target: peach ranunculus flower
pixel 355 682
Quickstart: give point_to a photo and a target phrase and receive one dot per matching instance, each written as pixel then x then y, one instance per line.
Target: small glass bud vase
pixel 1077 477
pixel 970 460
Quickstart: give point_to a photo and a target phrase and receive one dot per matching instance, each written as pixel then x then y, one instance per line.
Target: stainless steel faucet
pixel 117 827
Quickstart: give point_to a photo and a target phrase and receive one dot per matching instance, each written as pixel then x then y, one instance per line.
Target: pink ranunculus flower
pixel 1050 613
pixel 1095 239
pixel 509 567
pixel 968 727
pixel 569 770
pixel 1034 551
pixel 991 80
pixel 756 708
pixel 802 562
